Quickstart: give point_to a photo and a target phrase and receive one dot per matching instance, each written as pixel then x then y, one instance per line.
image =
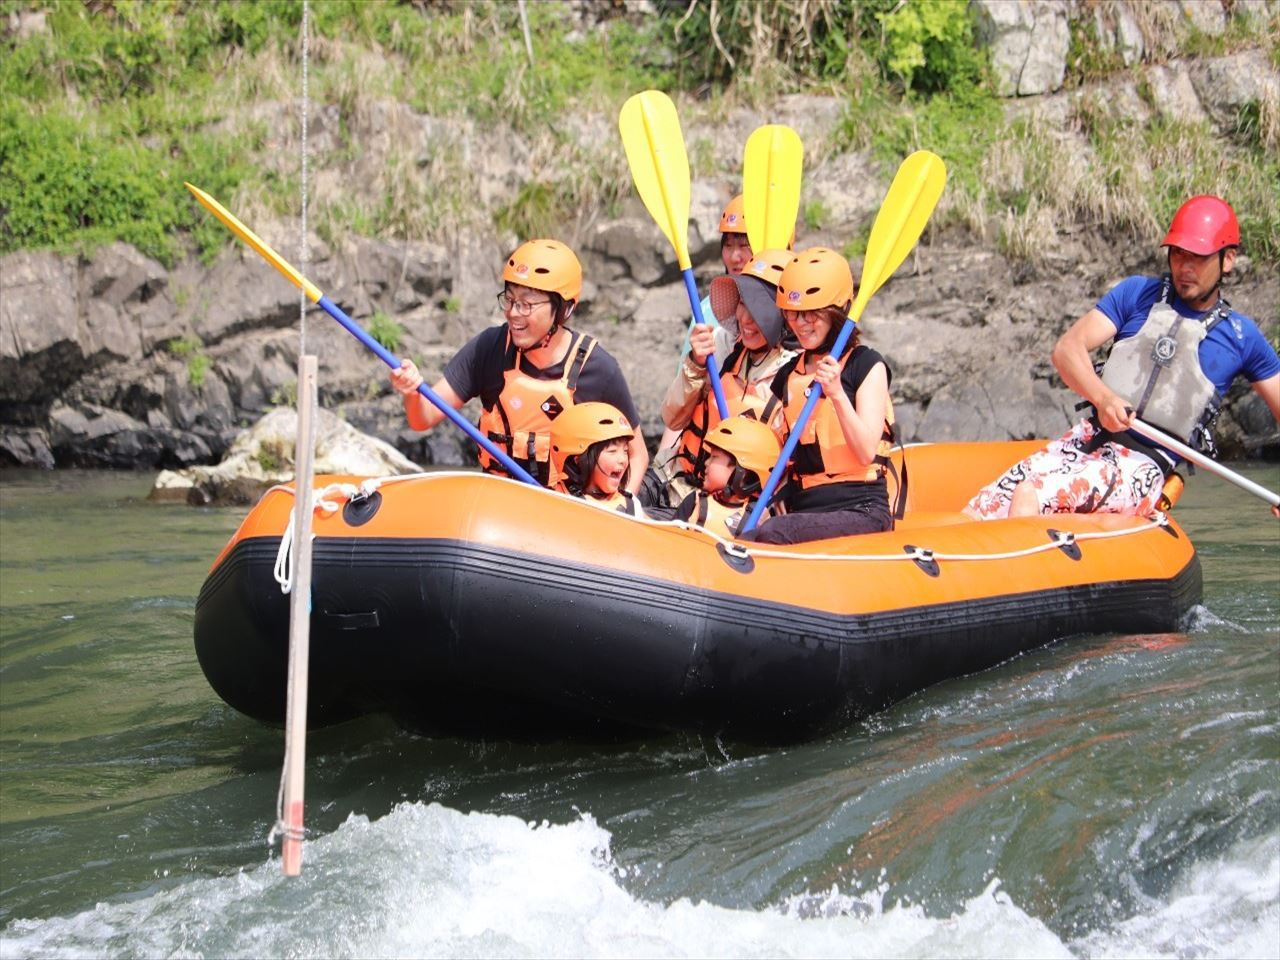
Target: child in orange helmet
pixel 740 453
pixel 591 456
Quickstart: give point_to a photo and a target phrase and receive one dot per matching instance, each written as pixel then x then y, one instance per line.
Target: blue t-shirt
pixel 1234 347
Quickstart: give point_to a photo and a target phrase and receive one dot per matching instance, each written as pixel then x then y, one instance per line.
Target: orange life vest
pixel 519 421
pixel 751 399
pixel 822 454
pixel 715 517
pixel 622 501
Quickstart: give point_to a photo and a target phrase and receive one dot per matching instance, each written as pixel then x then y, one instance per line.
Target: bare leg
pixel 1024 502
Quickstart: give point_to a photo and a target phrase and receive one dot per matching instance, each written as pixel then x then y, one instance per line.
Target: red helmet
pixel 1203 225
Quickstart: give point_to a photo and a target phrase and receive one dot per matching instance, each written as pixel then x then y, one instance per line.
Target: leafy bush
pixel 930 45
pixel 927 44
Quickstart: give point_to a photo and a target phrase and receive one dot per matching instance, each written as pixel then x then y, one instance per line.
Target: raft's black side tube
pixel 450 636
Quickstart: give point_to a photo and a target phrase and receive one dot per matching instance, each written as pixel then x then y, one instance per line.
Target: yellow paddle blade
pixel 659 165
pixel 772 164
pixel 256 242
pixel 911 198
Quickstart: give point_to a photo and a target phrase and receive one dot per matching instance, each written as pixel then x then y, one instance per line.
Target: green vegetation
pixel 285 395
pixel 815 214
pixel 271 456
pixel 386 331
pixel 198 362
pixel 184 346
pixel 198 367
pixel 107 107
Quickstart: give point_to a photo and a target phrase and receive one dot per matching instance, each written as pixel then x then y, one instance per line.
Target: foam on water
pixel 426 880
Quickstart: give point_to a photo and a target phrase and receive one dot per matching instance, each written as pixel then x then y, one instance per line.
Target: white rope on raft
pixel 325 501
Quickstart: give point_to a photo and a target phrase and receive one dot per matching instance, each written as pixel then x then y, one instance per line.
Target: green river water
pixel 1104 796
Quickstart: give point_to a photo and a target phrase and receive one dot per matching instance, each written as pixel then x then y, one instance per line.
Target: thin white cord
pixel 306 109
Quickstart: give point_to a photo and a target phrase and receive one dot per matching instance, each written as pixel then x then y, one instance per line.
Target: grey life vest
pixel 1158 370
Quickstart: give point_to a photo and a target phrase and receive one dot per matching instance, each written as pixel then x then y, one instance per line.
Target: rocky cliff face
pixel 115 361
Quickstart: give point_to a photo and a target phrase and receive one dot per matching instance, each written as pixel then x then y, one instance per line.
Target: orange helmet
pixel 768 265
pixel 578 428
pixel 731 221
pixel 545 265
pixel 816 278
pixel 753 444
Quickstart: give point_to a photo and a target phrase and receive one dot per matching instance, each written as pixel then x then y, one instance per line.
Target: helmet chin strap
pixel 573 478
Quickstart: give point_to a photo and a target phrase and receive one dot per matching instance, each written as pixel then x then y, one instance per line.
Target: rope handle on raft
pixel 1065 540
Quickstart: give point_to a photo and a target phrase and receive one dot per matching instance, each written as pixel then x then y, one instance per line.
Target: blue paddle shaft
pixel 713 368
pixel 392 361
pixel 793 438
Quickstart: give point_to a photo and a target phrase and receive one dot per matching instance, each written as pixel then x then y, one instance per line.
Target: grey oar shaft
pixel 1203 462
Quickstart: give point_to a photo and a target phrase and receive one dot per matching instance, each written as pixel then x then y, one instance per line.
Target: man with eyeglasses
pixel 529 370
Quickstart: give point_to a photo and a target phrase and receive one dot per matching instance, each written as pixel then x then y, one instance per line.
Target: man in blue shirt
pixel 1099 466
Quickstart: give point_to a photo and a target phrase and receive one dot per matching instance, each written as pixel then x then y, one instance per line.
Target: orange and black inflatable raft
pixel 470 604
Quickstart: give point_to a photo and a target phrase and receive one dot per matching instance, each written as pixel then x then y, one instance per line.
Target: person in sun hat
pixel 748 361
pixel 531 368
pixel 1177 346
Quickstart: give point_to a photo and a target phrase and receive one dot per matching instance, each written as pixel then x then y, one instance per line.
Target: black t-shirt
pixel 477 370
pixel 833 496
pixel 851 377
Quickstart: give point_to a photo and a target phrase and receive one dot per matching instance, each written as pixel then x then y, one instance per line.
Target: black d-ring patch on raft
pixel 736 557
pixel 924 559
pixel 1168 528
pixel 1066 542
pixel 361 620
pixel 360 509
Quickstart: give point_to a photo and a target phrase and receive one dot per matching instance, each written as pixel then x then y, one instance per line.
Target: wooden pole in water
pixel 295 742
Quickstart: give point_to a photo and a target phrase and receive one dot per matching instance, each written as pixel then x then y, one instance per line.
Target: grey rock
pixel 40 353
pixel 1174 93
pixel 1028 43
pixel 1208 16
pixel 25 447
pixel 1225 84
pixel 635 249
pixel 264 456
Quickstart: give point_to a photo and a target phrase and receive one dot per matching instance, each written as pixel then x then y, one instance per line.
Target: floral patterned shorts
pixel 1111 479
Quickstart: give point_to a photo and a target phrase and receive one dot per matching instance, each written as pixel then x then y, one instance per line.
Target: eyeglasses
pixel 796 316
pixel 521 308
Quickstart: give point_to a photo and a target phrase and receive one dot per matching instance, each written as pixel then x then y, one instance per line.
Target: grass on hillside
pixel 106 111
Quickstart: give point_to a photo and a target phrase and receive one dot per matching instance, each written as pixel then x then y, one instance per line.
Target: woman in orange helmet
pixel 529 370
pixel 838 485
pixel 591 456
